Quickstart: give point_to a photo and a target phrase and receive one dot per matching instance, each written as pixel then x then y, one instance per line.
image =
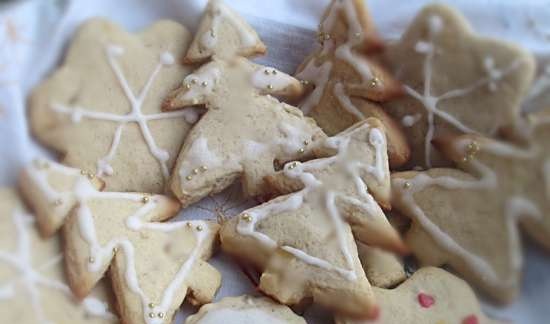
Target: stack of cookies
pixel 412 148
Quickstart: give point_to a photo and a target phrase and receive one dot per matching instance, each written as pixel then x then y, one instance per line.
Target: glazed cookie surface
pixel 32 284
pixel 304 241
pixel 348 82
pixel 101 110
pixel 469 219
pixel 245 310
pixel 455 81
pixel 153 265
pixel 245 131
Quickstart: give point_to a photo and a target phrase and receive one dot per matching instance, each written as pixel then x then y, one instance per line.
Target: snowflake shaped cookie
pixel 101 109
pixel 455 81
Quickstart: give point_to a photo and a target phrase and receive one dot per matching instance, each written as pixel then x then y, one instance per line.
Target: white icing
pixel 134 116
pixel 253 148
pixel 199 155
pixel 316 191
pixel 410 120
pixel 345 51
pixel 83 191
pixel 515 208
pixel 30 279
pixel 345 101
pixel 239 316
pixel 271 79
pixel 219 11
pixel 430 101
pixel 202 83
pixel 318 75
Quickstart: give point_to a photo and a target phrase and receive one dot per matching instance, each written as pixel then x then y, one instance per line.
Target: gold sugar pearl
pixel 199 228
pixel 91 259
pixel 188 224
pixel 326 37
pixel 274 72
pixel 194 81
pixel 187 86
pixel 83 172
pixel 151 305
pixel 145 199
pixel 152 315
pixel 160 315
pixel 189 177
pixel 301 150
pixel 204 84
pixel 246 217
pixel 306 142
pixel 374 82
pixel 195 171
pixel 270 87
pixel 293 165
pixel 472 148
pixel 203 168
pixel 266 72
pixel 407 185
pixel 91 176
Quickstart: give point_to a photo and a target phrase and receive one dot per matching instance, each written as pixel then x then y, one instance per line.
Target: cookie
pixel 469 219
pixel 348 82
pixel 49 189
pixel 101 110
pixel 32 284
pixel 153 265
pixel 455 81
pixel 304 241
pixel 244 131
pixel 245 310
pixel 222 31
pixel 383 269
pixel 431 295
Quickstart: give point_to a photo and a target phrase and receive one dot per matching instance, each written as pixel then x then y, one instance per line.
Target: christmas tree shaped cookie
pixel 222 31
pixel 455 81
pixel 348 82
pixel 111 124
pixel 304 241
pixel 245 131
pixel 469 219
pixel 32 285
pixel 153 265
pixel 431 295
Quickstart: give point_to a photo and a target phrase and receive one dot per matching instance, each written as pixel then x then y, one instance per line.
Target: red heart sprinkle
pixel 425 300
pixel 472 319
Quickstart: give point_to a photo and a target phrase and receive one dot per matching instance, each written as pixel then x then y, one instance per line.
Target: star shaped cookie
pixel 111 124
pixel 455 81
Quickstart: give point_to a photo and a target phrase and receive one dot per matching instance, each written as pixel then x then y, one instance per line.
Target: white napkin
pixel 34 33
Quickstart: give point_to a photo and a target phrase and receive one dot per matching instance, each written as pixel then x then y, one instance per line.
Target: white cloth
pixel 34 33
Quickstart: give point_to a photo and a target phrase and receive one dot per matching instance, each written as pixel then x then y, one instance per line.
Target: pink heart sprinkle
pixel 425 300
pixel 472 319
